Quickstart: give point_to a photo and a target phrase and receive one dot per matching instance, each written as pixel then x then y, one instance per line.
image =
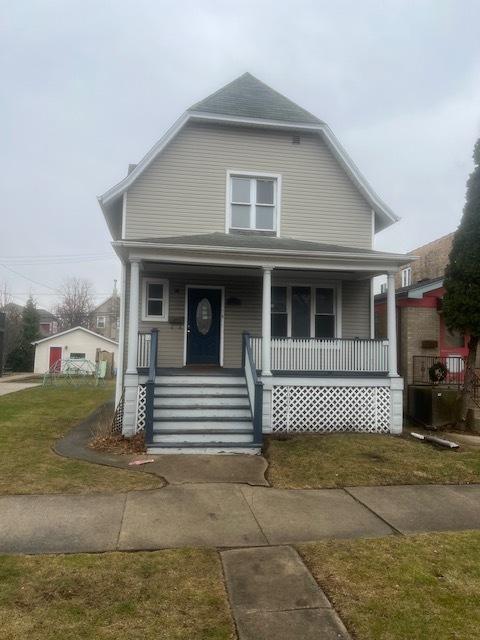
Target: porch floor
pixel 209 370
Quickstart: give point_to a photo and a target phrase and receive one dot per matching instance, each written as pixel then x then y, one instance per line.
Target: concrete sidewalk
pixel 228 515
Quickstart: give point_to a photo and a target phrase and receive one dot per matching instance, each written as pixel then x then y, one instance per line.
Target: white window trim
pixel 337 305
pixel 164 316
pixel 103 326
pixel 240 173
pixel 406 275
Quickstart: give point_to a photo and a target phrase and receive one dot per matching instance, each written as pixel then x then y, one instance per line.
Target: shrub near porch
pixel 349 459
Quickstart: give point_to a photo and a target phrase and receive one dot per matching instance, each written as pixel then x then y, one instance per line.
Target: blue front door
pixel 204 319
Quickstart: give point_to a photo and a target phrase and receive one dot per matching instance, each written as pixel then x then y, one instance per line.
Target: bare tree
pixel 76 303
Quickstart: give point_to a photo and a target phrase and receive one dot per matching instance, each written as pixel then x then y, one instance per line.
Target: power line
pixel 41 284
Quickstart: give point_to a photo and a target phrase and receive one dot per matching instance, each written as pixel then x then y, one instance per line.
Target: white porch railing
pixel 143 352
pixel 316 354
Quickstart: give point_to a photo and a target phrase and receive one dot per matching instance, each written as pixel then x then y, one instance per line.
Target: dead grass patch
pixel 167 595
pixel 310 461
pixel 402 588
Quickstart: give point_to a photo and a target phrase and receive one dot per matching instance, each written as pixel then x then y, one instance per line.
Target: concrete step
pixel 210 448
pixel 196 390
pixel 201 413
pixel 225 437
pixel 209 400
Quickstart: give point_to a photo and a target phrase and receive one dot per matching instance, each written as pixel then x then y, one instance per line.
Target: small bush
pixel 104 437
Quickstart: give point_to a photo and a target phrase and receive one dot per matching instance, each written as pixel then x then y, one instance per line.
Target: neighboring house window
pixel 304 312
pixel 100 322
pixel 77 356
pixel 253 202
pixel 155 299
pixel 383 287
pixel 406 276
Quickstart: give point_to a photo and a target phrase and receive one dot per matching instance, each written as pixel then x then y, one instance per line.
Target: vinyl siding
pixel 356 309
pixel 238 318
pixel 184 190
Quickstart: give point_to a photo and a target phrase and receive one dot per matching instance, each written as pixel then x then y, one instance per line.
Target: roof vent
pixel 295 138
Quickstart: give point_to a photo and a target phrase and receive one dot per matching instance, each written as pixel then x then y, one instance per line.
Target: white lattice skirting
pixel 327 409
pixel 141 408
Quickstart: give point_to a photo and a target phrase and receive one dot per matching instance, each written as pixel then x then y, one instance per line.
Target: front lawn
pixel 31 421
pixel 350 459
pixel 164 595
pixel 416 588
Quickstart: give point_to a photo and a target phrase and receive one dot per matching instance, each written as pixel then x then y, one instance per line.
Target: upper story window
pixel 155 299
pixel 253 202
pixel 101 322
pixel 406 276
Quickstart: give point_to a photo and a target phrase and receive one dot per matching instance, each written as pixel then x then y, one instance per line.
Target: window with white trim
pixel 101 320
pixel 406 275
pixel 155 299
pixel 303 311
pixel 253 203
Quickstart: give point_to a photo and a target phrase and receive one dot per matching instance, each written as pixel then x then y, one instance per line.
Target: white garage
pixel 74 344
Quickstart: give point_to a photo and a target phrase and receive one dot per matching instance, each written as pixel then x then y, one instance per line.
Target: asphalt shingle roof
pixel 252 241
pixel 250 98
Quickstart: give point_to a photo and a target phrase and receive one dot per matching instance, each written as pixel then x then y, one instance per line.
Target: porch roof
pixel 258 250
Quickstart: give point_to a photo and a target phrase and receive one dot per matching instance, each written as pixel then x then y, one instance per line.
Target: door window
pixel 204 316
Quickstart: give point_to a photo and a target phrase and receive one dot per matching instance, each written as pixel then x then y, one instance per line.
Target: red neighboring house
pixel 421 328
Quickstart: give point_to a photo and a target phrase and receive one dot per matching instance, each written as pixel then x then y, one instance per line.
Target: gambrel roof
pixel 248 97
pixel 248 101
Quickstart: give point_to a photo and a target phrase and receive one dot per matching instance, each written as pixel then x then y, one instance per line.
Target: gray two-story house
pixel 246 240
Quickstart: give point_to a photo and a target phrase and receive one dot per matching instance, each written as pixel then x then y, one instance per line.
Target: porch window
pixel 253 202
pixel 304 312
pixel 279 312
pixel 155 299
pixel 301 315
pixel 324 313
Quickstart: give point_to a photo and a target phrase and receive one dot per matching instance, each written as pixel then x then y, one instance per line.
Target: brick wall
pixel 432 260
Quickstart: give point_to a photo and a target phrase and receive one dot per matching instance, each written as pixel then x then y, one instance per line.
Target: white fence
pixel 315 354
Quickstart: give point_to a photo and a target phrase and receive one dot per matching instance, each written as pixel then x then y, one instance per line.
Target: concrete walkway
pixel 175 469
pixel 11 387
pixel 274 597
pixel 228 515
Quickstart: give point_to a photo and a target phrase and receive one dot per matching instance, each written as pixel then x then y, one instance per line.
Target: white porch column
pixel 133 316
pixel 121 337
pixel 266 321
pixel 391 326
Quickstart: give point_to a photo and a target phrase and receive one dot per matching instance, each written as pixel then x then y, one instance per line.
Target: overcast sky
pixel 90 86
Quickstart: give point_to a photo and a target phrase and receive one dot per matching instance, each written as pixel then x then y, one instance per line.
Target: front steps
pixel 202 413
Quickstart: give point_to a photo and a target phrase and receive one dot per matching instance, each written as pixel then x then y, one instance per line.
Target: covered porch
pixel 293 325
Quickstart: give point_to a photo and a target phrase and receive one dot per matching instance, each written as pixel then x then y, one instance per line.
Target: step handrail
pixel 150 387
pixel 254 388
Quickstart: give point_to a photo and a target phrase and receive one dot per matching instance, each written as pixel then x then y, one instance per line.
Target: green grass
pixel 31 421
pixel 348 459
pixel 416 588
pixel 164 595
